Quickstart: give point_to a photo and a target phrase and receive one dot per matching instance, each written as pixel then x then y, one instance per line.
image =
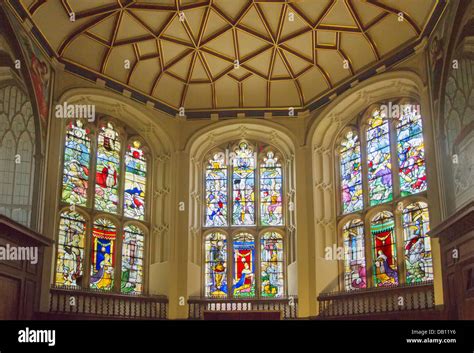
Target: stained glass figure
pixel 132 260
pixel 355 274
pixel 384 250
pixel 271 253
pixel 271 191
pixel 70 255
pixel 103 254
pixel 244 266
pixel 107 170
pixel 351 173
pixel 418 261
pixel 135 182
pixel 76 164
pixel 216 191
pixel 379 159
pixel 243 186
pixel 216 265
pixel 411 151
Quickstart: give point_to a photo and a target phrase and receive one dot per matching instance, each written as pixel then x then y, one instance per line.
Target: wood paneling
pixel 20 281
pixel 456 236
pixel 10 294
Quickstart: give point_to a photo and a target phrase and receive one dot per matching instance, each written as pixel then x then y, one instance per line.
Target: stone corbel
pixel 159 230
pixel 164 157
pixel 160 192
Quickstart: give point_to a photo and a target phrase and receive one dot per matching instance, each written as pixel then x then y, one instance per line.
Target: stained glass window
pixel 107 170
pixel 76 164
pixel 416 223
pixel 135 181
pixel 216 191
pixel 132 260
pixel 271 191
pixel 378 158
pixel 70 253
pixel 103 254
pixel 243 186
pixel 351 173
pixel 244 266
pixel 384 252
pixel 109 257
pixel 355 275
pixel 216 265
pixel 411 151
pixel 271 263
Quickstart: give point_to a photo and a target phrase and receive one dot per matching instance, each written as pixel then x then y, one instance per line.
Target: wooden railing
pixel 377 300
pixel 287 306
pixel 90 303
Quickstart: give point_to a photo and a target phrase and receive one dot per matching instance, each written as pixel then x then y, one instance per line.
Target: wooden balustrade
pixel 87 302
pixel 377 300
pixel 288 307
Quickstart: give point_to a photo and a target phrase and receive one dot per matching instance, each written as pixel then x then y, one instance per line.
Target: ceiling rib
pixel 220 35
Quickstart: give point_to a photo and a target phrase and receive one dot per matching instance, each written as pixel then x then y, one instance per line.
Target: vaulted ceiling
pixel 229 54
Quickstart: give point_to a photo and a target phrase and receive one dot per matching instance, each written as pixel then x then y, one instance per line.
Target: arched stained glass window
pixel 394 134
pixel 271 191
pixel 244 266
pixel 271 254
pixel 76 164
pixel 243 185
pixel 216 191
pixel 248 263
pixel 419 264
pixel 355 275
pixel 133 248
pixel 107 170
pixel 384 250
pixel 411 151
pixel 216 265
pixel 135 182
pixel 379 159
pixel 351 173
pixel 104 234
pixel 70 255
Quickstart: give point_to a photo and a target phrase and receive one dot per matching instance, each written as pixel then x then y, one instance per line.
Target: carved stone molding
pixel 163 158
pixel 159 230
pixel 321 150
pixel 160 192
pixel 323 186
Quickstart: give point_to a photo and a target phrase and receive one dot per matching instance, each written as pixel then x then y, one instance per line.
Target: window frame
pixel 398 203
pixel 230 237
pixel 90 213
pixel 257 230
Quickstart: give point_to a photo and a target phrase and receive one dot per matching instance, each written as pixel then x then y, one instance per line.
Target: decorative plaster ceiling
pixel 229 54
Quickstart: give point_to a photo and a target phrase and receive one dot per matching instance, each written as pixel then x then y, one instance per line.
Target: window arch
pixel 245 263
pixel 112 244
pixel 382 188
